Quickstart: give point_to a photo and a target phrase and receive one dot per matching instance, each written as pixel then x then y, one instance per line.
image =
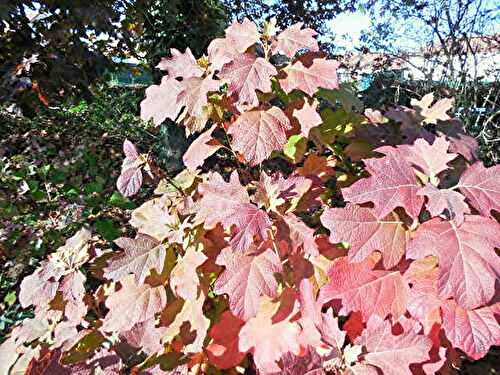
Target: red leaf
pixel 391 353
pixel 161 101
pixel 293 39
pixel 360 288
pixel 321 73
pixel 140 256
pixel 472 331
pixel 468 263
pixel 365 233
pixel 392 184
pixel 245 74
pixel 256 134
pixel 223 351
pixel 180 65
pixel 481 186
pixel 246 278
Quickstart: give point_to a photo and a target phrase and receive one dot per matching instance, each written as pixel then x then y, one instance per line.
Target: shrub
pixel 302 237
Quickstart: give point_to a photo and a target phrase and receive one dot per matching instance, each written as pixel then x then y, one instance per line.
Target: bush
pixel 303 236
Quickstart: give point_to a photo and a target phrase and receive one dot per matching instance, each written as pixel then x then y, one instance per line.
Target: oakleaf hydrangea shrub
pixel 304 235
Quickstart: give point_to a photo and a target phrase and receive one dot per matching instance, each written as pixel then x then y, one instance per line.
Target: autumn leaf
pixel 141 255
pixel 246 74
pixel 293 39
pixel 473 331
pixel 266 340
pixel 392 354
pixel 202 148
pixel 132 304
pixel 184 280
pixel 180 65
pixel 392 184
pixel 246 278
pixel 242 35
pixel 321 73
pixel 161 101
pixel 365 233
pixel 223 351
pixel 468 264
pixel 256 134
pixel 481 186
pixel 362 288
pixel 308 117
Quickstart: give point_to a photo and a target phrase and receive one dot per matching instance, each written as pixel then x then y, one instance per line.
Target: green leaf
pixel 10 298
pixel 295 148
pixel 107 229
pixel 120 201
pixel 345 96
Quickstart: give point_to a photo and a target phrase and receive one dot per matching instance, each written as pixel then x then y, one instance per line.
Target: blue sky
pixel 348 28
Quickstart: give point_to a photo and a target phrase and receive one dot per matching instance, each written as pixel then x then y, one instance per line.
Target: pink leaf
pixel 440 200
pixel 73 291
pixel 300 235
pixel 308 118
pixel 293 39
pixel 140 256
pixel 393 354
pixel 229 204
pixel 247 277
pixel 133 304
pixel 220 200
pixel 194 94
pixel 161 101
pixel 392 184
pixel 249 221
pixel 145 336
pixel 423 300
pixel 468 263
pixel 321 73
pixel 129 182
pixel 242 35
pixel 256 134
pixel 246 74
pixel 481 186
pixel 361 288
pixel 269 341
pixel 472 331
pixel 220 52
pixel 180 65
pixel 184 280
pixel 365 233
pixel 203 147
pixel 430 159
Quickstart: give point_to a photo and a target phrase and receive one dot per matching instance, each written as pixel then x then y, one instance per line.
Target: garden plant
pixel 306 235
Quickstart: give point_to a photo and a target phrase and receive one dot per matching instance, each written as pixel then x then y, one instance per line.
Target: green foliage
pixel 55 176
pixel 165 24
